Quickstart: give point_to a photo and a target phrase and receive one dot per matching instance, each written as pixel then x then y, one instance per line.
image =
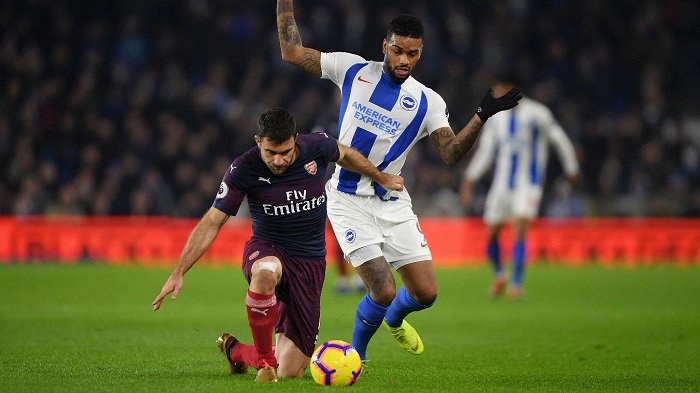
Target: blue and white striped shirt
pixel 519 140
pixel 379 118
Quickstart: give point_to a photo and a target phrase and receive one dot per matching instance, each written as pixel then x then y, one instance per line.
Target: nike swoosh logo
pixel 361 79
pixel 424 243
pixel 369 324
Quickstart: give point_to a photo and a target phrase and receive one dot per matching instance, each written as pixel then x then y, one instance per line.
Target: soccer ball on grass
pixel 335 363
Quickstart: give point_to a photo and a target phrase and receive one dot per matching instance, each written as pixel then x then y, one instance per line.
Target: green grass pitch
pixel 90 328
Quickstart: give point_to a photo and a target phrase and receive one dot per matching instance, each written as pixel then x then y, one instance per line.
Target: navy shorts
pixel 298 294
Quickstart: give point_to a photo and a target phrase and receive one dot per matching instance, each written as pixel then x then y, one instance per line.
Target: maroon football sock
pixel 245 353
pixel 262 316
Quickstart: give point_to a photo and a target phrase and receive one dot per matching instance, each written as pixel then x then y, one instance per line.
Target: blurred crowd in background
pixel 136 107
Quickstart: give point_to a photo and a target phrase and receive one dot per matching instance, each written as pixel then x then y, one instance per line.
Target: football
pixel 335 363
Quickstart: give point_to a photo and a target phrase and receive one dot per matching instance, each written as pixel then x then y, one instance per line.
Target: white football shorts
pixel 360 221
pixel 503 204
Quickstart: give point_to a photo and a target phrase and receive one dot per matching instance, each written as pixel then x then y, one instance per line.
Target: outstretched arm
pixel 354 161
pixel 452 148
pixel 565 150
pixel 200 239
pixel 293 52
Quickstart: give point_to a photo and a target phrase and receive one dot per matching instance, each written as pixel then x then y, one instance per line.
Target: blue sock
pixel 494 253
pixel 518 261
pixel 368 317
pixel 402 305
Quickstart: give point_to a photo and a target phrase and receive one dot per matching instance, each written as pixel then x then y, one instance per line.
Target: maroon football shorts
pixel 298 294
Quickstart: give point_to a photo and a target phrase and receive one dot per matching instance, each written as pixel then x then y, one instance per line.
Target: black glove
pixel 490 106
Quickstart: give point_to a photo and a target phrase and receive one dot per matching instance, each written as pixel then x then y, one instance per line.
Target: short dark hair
pixel 277 125
pixel 405 25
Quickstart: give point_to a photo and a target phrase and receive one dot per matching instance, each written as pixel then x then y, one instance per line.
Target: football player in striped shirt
pixel 519 141
pixel 384 112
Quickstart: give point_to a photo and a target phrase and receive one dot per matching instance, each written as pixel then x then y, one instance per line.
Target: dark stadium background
pixel 118 119
pixel 137 107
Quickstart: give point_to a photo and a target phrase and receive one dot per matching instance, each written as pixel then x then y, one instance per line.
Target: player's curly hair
pixel 277 125
pixel 405 25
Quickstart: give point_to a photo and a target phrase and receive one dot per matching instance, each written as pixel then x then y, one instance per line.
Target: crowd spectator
pixel 132 107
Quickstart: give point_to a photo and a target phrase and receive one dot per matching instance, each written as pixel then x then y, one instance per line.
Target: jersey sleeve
pixel 231 192
pixel 327 145
pixel 334 65
pixel 438 116
pixel 560 142
pixel 484 155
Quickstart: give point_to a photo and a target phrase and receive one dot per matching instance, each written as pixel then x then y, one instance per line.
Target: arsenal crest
pixel 311 167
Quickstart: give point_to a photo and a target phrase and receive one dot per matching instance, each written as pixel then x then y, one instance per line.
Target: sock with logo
pixel 402 305
pixel 518 261
pixel 494 253
pixel 368 317
pixel 262 316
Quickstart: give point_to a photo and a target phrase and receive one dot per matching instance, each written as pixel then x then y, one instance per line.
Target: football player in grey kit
pixel 284 263
pixel 384 112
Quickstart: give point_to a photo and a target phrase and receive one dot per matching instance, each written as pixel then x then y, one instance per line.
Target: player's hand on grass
pixel 174 284
pixel 491 105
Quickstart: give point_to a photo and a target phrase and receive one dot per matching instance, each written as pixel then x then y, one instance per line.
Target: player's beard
pixel 390 72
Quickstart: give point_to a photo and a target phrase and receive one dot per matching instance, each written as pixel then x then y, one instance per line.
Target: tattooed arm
pixel 293 52
pixel 451 148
